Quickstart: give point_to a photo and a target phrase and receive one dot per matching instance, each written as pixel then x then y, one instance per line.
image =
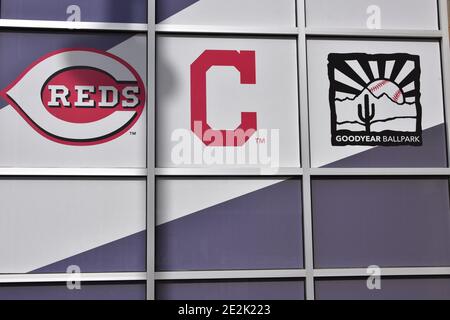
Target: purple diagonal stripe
pixel 430 155
pixel 231 290
pixel 167 8
pixel 88 291
pixel 259 230
pixel 393 222
pixel 124 255
pixel 119 11
pixel 391 289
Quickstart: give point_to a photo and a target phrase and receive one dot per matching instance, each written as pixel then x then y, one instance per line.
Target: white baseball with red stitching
pixel 380 87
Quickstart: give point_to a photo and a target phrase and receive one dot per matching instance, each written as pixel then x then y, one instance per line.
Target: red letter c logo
pixel 245 63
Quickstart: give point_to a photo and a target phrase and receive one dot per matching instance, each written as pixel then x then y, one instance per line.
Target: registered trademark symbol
pixel 132 133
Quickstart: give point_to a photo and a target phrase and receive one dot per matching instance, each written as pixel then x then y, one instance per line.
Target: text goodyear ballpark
pixel 78 96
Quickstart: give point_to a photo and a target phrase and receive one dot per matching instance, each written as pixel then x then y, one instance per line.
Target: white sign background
pixel 264 13
pixel 274 96
pixel 45 221
pixel 322 152
pixel 394 14
pixel 22 146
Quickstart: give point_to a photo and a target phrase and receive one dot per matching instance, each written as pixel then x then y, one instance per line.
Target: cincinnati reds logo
pixel 78 96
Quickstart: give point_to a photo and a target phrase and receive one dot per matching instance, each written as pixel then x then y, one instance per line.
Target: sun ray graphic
pixel 375 99
pixel 393 75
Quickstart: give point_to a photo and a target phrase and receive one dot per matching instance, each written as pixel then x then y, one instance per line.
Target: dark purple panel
pixel 124 255
pixel 391 289
pixel 88 291
pixel 390 222
pixel 131 11
pixel 167 8
pixel 18 50
pixel 430 155
pixel 259 230
pixel 231 290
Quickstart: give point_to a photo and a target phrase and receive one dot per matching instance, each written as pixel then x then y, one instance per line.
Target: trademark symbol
pixel 260 140
pixel 132 133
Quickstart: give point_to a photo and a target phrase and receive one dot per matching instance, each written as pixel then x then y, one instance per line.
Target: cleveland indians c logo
pixel 78 96
pixel 245 64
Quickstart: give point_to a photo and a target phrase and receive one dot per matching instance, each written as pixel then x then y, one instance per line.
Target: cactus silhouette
pixel 368 115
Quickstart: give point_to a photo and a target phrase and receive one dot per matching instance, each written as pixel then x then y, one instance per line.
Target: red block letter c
pixel 245 63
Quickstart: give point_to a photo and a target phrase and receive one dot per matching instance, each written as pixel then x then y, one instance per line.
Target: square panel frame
pixel 302 33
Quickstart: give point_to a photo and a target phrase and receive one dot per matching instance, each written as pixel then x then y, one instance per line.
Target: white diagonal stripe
pixel 406 70
pixel 342 78
pixel 389 67
pixel 374 68
pixel 354 64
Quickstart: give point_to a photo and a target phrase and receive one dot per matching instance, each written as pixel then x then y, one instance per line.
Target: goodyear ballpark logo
pixel 375 99
pixel 78 96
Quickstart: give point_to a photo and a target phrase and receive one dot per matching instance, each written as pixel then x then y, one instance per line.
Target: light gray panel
pixel 45 221
pixel 431 98
pixel 23 146
pixel 274 98
pixel 398 14
pixel 273 13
